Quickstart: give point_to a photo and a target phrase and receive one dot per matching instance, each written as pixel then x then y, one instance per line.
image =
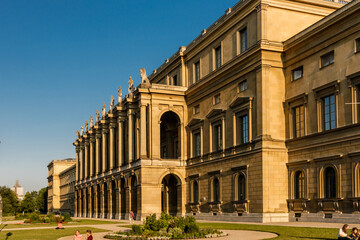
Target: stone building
pixel 19 190
pixel 257 119
pixel 61 181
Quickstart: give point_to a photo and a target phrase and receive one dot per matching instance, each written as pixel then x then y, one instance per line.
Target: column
pixel 112 145
pixel 104 150
pixel 120 142
pixel 102 198
pixel 89 207
pixel 131 135
pixel 92 149
pixel 201 140
pixel 76 204
pixel 96 212
pixel 86 158
pixel 128 201
pixel 82 159
pixel 118 199
pixel 97 153
pixel 234 129
pixel 110 201
pixel 223 133
pixel 250 119
pixel 77 163
pixel 80 203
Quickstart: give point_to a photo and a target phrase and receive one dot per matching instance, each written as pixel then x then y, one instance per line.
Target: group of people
pixel 88 236
pixel 343 233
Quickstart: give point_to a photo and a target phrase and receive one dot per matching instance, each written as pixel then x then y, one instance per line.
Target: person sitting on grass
pixel 343 233
pixel 60 225
pixel 78 236
pixel 89 235
pixel 354 234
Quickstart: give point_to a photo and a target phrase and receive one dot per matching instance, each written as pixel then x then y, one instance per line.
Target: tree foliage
pixel 41 200
pixel 11 204
pixel 28 204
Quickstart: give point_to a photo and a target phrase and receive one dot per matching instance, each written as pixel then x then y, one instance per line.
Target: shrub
pixel 191 227
pixel 34 216
pixel 67 217
pixel 137 229
pixel 176 233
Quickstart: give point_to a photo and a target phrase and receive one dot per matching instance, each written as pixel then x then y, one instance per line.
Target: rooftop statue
pixel 86 125
pixel 112 101
pixel 77 134
pixel 103 110
pixel 82 130
pixel 119 95
pixel 91 121
pixel 144 78
pixel 131 85
pixel 97 115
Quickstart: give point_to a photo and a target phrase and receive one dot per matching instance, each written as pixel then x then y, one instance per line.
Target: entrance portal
pixel 171 194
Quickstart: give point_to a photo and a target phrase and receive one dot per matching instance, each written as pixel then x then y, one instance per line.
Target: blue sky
pixel 59 60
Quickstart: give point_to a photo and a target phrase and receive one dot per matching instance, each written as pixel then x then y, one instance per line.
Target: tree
pixel 11 204
pixel 28 204
pixel 41 200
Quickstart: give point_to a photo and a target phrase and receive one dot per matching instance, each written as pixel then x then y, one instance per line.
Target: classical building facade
pixel 61 186
pixel 257 119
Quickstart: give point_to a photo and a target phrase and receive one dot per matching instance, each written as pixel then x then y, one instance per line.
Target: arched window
pixel 216 190
pixel 195 191
pixel 329 183
pixel 299 185
pixel 241 187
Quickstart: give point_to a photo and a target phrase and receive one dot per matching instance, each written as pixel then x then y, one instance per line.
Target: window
pixel 217 137
pixel 243 40
pixel 299 185
pixel 195 192
pixel 216 99
pixel 217 57
pixel 243 129
pixel 327 59
pixel 242 86
pixel 241 188
pixel 330 183
pixel 357 45
pixel 197 71
pixel 297 73
pixel 298 121
pixel 216 190
pixel 197 109
pixel 329 112
pixel 175 80
pixel 197 144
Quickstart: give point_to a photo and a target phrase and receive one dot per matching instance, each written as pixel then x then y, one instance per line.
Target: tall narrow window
pixel 195 192
pixel 357 45
pixel 329 113
pixel 216 190
pixel 327 59
pixel 217 57
pixel 241 188
pixel 217 137
pixel 242 86
pixel 243 40
pixel 330 183
pixel 243 129
pixel 197 71
pixel 175 80
pixel 298 121
pixel 299 185
pixel 197 144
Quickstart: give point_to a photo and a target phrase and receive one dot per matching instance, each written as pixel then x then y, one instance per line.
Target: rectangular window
pixel 357 45
pixel 217 137
pixel 217 57
pixel 243 40
pixel 217 99
pixel 327 59
pixel 329 113
pixel 243 129
pixel 197 71
pixel 297 73
pixel 298 121
pixel 197 144
pixel 175 80
pixel 197 109
pixel 242 86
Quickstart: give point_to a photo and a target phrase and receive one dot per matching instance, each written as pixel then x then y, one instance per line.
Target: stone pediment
pixel 215 113
pixel 239 101
pixel 195 121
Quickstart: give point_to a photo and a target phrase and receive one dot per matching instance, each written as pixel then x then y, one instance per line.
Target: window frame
pixel 217 137
pixel 297 69
pixel 218 57
pixel 246 47
pixel 294 121
pixel 242 83
pixel 197 109
pixel 357 45
pixel 330 192
pixel 299 189
pixel 215 101
pixel 197 71
pixel 323 58
pixel 195 149
pixel 324 114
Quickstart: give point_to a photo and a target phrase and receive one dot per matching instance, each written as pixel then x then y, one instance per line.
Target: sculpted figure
pixel 86 125
pixel 131 85
pixel 82 130
pixel 144 78
pixel 91 121
pixel 103 110
pixel 77 134
pixel 112 102
pixel 97 115
pixel 119 95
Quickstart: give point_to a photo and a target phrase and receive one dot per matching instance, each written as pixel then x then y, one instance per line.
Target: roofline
pixel 61 160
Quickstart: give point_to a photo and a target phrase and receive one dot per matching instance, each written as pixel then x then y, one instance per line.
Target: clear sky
pixel 59 60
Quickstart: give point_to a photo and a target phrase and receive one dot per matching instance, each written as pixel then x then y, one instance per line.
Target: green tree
pixel 28 204
pixel 41 200
pixel 11 204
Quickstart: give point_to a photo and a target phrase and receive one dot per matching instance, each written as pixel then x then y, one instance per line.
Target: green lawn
pixel 45 234
pixel 290 233
pixel 75 222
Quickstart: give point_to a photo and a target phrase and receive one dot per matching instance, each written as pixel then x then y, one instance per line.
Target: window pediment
pixel 327 89
pixel 215 113
pixel 195 121
pixel 240 102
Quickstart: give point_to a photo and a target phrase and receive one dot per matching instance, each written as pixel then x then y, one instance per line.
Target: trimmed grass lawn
pixel 45 234
pixel 291 233
pixel 74 222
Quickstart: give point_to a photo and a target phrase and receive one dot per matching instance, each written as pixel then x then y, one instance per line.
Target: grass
pixel 288 233
pixel 74 222
pixel 45 234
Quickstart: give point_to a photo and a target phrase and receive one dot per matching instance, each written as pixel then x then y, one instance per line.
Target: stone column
pixel 86 158
pixel 118 199
pixel 90 203
pixel 102 199
pixel 104 149
pixel 92 150
pixel 77 163
pixel 80 203
pixel 131 135
pixel 82 161
pixel 97 153
pixel 120 142
pixel 75 205
pixel 112 145
pixel 128 201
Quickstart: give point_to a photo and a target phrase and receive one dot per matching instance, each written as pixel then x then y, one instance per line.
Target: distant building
pixel 61 180
pixel 19 190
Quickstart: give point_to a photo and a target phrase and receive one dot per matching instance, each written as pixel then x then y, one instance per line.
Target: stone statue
pixel 119 95
pixel 91 121
pixel 112 102
pixel 82 130
pixel 77 134
pixel 103 110
pixel 144 78
pixel 97 115
pixel 131 85
pixel 86 125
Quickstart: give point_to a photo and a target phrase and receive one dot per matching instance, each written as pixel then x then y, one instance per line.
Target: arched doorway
pixel 134 194
pixel 113 199
pixel 171 194
pixel 98 209
pixel 106 200
pixel 170 137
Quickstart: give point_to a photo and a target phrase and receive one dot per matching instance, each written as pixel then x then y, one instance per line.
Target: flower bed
pixel 164 228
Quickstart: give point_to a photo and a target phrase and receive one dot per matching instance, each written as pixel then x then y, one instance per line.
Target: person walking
pixel 78 236
pixel 131 217
pixel 89 235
